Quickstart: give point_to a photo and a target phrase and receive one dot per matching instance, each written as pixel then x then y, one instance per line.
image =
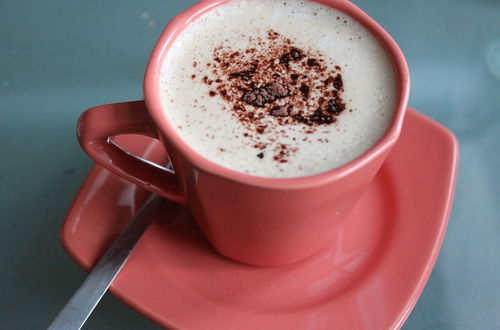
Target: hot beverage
pixel 278 88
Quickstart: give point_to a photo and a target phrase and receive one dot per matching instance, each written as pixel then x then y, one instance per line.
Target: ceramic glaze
pixel 242 216
pixel 370 275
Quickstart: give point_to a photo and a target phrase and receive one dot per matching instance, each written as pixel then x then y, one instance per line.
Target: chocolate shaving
pixel 335 106
pixel 301 119
pixel 266 94
pixel 245 75
pixel 319 117
pixel 312 62
pixel 281 111
pixel 304 89
pixel 261 129
pixel 338 83
pixel 285 58
pixel 296 54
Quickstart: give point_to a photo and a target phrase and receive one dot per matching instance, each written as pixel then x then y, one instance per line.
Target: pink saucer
pixel 369 278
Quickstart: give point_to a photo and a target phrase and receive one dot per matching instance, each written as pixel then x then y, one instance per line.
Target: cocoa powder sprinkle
pixel 278 84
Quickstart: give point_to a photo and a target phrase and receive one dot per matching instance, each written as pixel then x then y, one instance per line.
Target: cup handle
pixel 95 130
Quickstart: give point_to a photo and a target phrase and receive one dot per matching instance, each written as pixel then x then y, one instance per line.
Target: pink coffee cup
pixel 255 220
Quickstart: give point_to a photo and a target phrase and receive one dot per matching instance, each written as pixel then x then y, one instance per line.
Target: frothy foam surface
pixel 233 82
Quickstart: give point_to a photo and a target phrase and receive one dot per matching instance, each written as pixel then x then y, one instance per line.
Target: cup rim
pixel 154 105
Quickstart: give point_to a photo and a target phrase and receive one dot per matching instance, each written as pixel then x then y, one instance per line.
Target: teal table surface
pixel 60 57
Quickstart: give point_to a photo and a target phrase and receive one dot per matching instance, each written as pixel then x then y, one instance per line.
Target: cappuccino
pixel 278 88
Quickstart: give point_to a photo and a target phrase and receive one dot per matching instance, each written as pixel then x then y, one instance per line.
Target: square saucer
pixel 370 277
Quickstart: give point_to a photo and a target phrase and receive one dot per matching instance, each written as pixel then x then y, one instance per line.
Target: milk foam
pixel 207 125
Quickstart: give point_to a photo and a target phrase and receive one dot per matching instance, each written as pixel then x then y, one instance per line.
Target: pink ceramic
pixel 369 277
pixel 256 220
